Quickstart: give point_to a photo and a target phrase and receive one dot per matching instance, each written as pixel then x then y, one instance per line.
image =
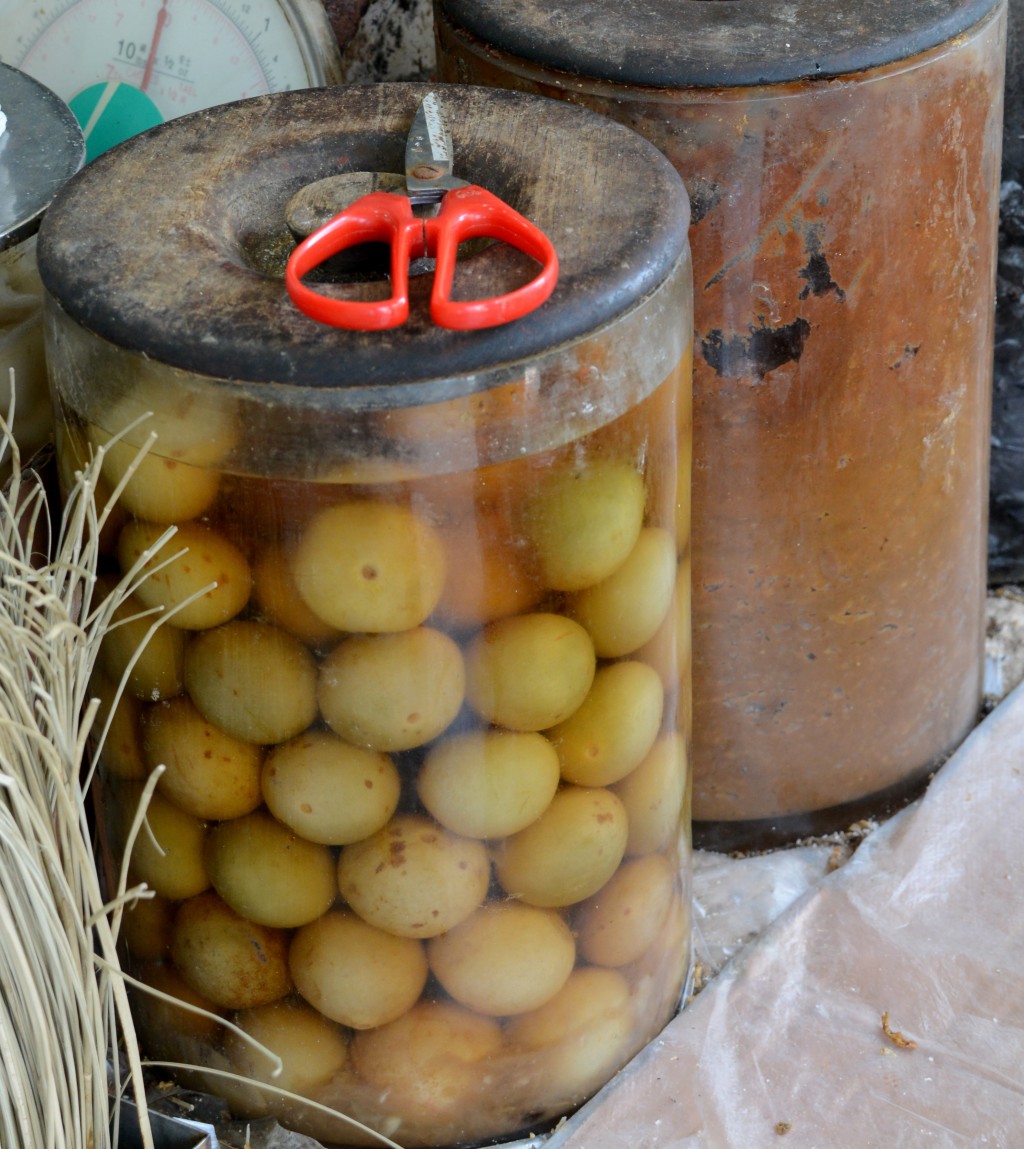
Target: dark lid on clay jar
pixel 714 43
pixel 173 244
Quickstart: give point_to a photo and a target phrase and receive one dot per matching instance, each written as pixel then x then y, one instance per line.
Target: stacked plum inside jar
pixel 424 766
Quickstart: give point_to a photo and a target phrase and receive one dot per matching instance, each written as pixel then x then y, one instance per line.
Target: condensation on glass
pixel 422 825
pixel 843 167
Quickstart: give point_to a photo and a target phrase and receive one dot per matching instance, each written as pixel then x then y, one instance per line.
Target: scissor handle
pixel 466 213
pixel 378 217
pixel 471 212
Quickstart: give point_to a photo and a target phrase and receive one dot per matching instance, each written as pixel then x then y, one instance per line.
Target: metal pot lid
pixel 173 244
pixel 714 43
pixel 41 147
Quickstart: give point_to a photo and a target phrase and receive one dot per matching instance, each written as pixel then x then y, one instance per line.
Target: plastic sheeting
pixel 924 926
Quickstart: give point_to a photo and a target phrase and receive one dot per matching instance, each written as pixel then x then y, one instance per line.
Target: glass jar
pixel 41 146
pixel 842 161
pixel 420 694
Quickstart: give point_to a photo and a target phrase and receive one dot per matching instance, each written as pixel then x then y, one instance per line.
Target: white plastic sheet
pixel 786 1047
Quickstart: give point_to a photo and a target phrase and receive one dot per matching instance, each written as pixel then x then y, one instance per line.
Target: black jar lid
pixel 714 43
pixel 173 244
pixel 41 147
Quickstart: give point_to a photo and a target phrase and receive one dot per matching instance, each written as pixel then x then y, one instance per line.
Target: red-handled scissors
pixel 461 211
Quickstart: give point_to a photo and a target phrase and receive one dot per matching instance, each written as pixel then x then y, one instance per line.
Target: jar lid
pixel 714 43
pixel 173 244
pixel 41 147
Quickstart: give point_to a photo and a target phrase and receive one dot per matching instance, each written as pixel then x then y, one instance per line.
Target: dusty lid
pixel 41 147
pixel 714 43
pixel 173 244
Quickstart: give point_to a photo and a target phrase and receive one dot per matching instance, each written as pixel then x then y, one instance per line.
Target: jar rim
pixel 714 43
pixel 167 271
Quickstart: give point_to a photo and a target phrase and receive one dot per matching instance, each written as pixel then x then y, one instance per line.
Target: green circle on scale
pixel 110 113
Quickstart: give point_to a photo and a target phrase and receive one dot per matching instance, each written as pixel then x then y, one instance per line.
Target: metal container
pixel 421 828
pixel 842 161
pixel 168 1132
pixel 41 146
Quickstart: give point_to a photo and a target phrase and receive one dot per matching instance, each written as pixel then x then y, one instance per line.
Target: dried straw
pixel 64 1016
pixel 65 1024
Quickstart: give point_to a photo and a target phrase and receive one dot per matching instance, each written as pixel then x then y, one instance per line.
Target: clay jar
pixel 842 162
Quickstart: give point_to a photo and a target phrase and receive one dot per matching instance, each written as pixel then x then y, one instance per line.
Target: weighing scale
pixel 127 65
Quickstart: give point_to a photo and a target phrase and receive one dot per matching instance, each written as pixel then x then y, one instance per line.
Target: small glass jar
pixel 842 160
pixel 41 146
pixel 421 691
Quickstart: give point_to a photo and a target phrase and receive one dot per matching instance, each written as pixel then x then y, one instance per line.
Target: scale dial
pixel 126 65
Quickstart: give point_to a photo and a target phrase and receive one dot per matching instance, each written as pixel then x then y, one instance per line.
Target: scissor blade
pixel 428 153
pixel 314 204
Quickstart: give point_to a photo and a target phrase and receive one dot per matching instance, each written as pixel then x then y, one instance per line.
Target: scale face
pixel 126 65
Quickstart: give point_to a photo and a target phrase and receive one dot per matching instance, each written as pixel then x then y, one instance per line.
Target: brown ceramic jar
pixel 842 161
